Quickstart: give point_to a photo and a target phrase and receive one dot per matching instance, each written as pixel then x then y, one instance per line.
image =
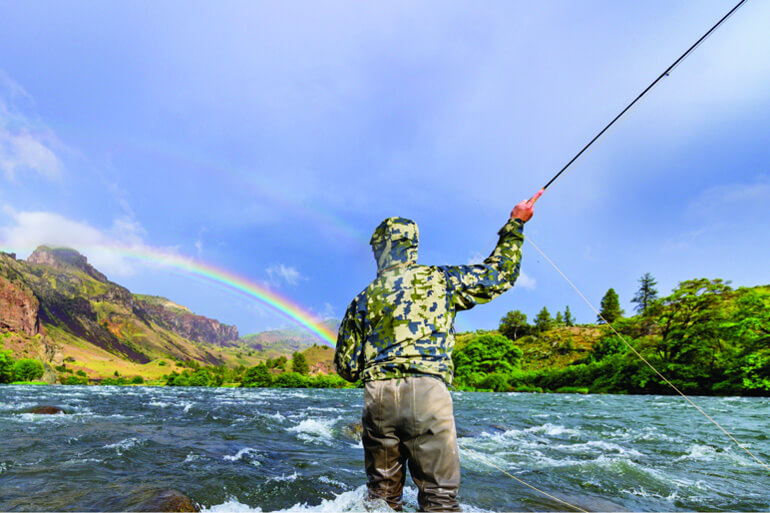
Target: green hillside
pixel 705 337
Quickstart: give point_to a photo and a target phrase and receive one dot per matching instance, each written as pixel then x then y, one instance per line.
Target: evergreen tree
pixel 646 294
pixel 568 319
pixel 543 321
pixel 514 325
pixel 610 307
pixel 559 321
pixel 299 364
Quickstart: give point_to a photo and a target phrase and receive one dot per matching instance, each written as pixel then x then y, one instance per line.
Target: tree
pixel 646 294
pixel 291 380
pixel 559 321
pixel 569 320
pixel 514 325
pixel 486 354
pixel 543 321
pixel 692 321
pixel 257 376
pixel 27 369
pixel 6 367
pixel 610 307
pixel 299 364
pixel 200 378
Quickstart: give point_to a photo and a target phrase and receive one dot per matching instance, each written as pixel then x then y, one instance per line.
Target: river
pixel 292 450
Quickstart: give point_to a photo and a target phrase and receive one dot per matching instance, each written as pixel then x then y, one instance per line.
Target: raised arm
pixel 477 284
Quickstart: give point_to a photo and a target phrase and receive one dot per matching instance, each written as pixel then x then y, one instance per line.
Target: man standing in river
pixel 398 335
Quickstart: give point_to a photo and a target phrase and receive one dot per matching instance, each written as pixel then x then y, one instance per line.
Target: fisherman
pixel 397 336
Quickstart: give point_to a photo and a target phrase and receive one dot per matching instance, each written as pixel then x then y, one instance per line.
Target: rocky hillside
pixel 56 306
pixel 283 342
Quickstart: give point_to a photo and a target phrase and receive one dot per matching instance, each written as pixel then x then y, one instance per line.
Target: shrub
pixel 291 380
pixel 75 380
pixel 200 378
pixel 6 367
pixel 329 381
pixel 27 369
pixel 299 364
pixel 496 382
pixel 137 380
pixel 257 376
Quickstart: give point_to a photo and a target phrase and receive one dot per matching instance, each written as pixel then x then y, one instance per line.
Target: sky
pixel 268 139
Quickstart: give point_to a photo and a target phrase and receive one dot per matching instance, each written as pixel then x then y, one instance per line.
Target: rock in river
pixel 46 409
pixel 165 500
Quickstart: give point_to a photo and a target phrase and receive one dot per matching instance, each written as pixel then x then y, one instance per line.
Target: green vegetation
pixel 27 369
pixel 6 367
pixel 299 364
pixel 24 371
pixel 610 307
pixel 705 337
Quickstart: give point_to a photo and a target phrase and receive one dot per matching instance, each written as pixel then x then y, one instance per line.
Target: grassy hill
pixel 57 308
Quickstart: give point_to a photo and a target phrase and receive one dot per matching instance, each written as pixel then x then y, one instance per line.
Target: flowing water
pixel 292 450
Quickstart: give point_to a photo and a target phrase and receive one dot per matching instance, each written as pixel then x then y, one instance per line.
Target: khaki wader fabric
pixel 410 420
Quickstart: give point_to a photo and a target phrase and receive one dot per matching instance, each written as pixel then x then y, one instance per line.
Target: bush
pixel 496 382
pixel 257 376
pixel 572 390
pixel 291 380
pixel 75 380
pixel 27 369
pixel 299 364
pixel 329 381
pixel 81 372
pixel 113 381
pixel 6 367
pixel 487 354
pixel 137 380
pixel 200 378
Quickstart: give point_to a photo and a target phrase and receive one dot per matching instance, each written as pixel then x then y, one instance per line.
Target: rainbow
pixel 228 281
pixel 238 284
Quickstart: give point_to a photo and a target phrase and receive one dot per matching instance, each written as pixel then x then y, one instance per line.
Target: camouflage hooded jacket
pixel 403 322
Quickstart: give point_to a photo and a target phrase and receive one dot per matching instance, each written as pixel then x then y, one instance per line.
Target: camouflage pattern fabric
pixel 402 324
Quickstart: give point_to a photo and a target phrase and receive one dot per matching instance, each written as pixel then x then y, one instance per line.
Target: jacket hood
pixel 395 242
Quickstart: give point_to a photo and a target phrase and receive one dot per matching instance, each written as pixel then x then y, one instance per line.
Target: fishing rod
pixel 539 193
pixel 668 70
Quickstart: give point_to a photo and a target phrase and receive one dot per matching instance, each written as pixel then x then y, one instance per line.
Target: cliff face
pixel 18 308
pixel 191 326
pixel 56 291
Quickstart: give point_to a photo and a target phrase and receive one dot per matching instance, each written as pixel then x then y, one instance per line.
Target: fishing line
pixel 555 178
pixel 485 460
pixel 637 353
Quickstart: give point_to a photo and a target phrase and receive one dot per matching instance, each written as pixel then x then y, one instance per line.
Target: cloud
pixel 26 145
pixel 22 152
pixel 327 312
pixel 199 242
pixel 525 281
pixel 731 199
pixel 279 273
pixel 26 230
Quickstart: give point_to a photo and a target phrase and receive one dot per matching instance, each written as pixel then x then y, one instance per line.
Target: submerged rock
pixel 165 500
pixel 47 409
pixel 353 431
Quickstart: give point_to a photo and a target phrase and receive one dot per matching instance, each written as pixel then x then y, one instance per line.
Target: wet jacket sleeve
pixel 476 284
pixel 348 355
